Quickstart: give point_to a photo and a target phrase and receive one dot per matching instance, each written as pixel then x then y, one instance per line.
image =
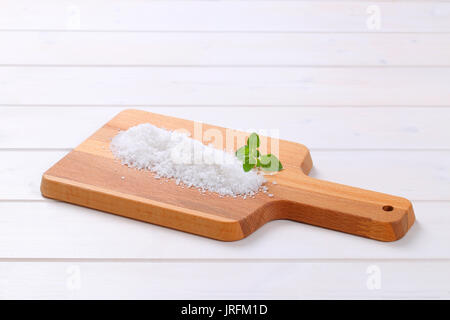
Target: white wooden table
pixel 364 84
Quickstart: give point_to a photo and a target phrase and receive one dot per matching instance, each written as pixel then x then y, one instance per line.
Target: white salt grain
pixel 174 155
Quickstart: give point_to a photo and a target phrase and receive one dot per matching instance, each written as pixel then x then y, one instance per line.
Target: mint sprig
pixel 251 157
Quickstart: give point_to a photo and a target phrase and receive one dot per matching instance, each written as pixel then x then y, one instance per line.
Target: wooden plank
pixel 225 86
pixel 233 280
pixel 231 49
pixel 56 230
pixel 416 175
pixel 317 128
pixel 280 16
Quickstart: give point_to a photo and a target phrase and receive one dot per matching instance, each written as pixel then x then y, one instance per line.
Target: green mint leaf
pixel 251 160
pixel 247 167
pixel 253 141
pixel 270 162
pixel 253 153
pixel 242 153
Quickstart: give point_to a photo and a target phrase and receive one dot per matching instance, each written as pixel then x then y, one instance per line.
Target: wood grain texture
pixel 224 280
pixel 273 16
pixel 91 177
pixel 224 49
pixel 204 86
pixel 398 145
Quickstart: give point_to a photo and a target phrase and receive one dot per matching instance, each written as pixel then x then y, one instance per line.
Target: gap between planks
pixel 237 66
pixel 231 260
pixel 222 31
pixel 151 105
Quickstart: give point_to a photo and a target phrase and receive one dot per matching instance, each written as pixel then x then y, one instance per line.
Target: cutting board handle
pixel 352 210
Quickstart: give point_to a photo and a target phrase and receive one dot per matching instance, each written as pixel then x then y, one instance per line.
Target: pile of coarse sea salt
pixel 174 155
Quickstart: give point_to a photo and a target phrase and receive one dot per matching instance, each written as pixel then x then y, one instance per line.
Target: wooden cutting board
pixel 90 176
